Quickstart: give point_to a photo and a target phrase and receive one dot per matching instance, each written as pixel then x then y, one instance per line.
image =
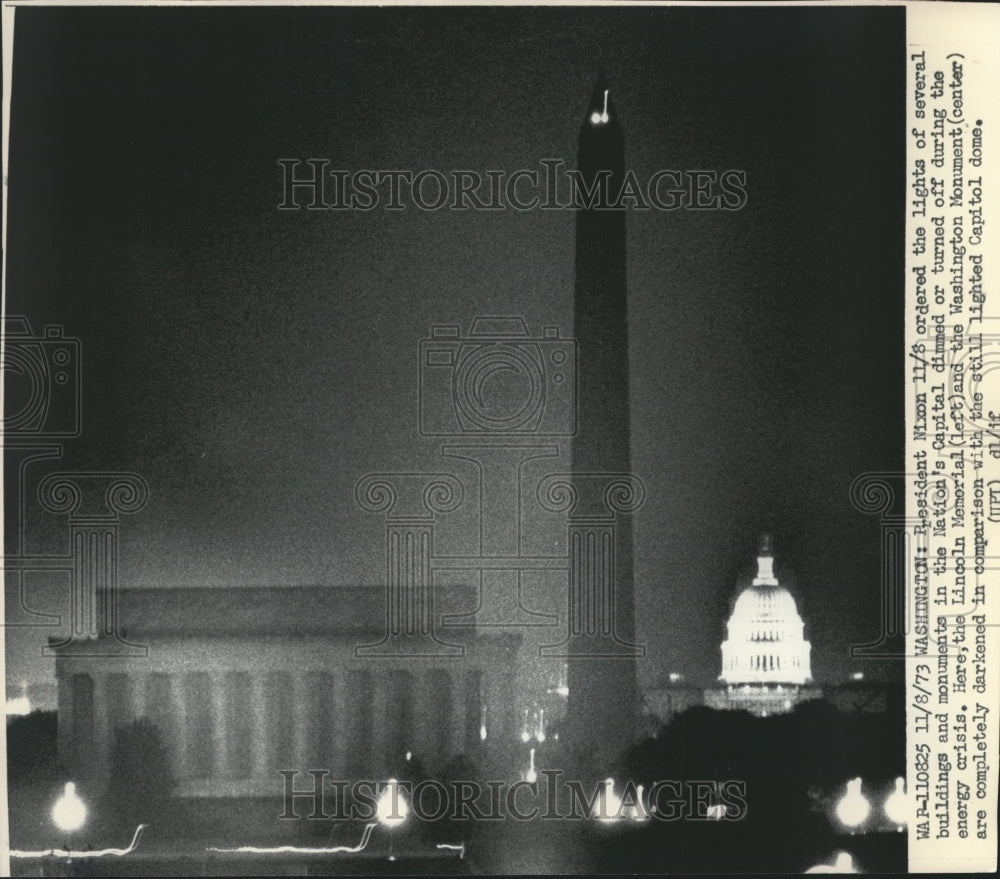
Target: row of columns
pixel 737 662
pixel 232 726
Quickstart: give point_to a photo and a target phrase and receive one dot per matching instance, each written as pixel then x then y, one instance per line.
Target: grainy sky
pixel 252 364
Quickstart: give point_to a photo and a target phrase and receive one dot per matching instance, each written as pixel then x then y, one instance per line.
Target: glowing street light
pixel 69 812
pixel 19 705
pixel 611 803
pixel 843 863
pixel 716 812
pixel 895 805
pixel 531 776
pixel 853 808
pixel 391 808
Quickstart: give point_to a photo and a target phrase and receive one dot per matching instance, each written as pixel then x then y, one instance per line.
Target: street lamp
pixel 531 776
pixel 611 803
pixel 843 863
pixel 895 805
pixel 69 812
pixel 19 705
pixel 391 809
pixel 853 808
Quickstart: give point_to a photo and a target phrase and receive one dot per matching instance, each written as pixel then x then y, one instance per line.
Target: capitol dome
pixel 765 636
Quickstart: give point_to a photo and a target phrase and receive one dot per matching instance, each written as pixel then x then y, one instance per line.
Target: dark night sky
pixel 251 364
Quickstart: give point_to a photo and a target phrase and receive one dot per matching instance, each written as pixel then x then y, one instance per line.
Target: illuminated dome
pixel 765 641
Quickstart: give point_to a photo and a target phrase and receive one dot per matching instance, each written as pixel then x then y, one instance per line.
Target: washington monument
pixel 602 707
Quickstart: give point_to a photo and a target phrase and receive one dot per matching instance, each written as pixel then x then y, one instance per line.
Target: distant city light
pixel 409 756
pixel 561 688
pixel 18 706
pixel 843 863
pixel 895 805
pixel 675 677
pixel 857 676
pixel 611 803
pixel 531 776
pixel 69 812
pixel 391 809
pixel 853 808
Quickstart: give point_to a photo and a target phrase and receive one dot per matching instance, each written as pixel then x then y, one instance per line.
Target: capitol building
pixel 766 666
pixel 765 657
